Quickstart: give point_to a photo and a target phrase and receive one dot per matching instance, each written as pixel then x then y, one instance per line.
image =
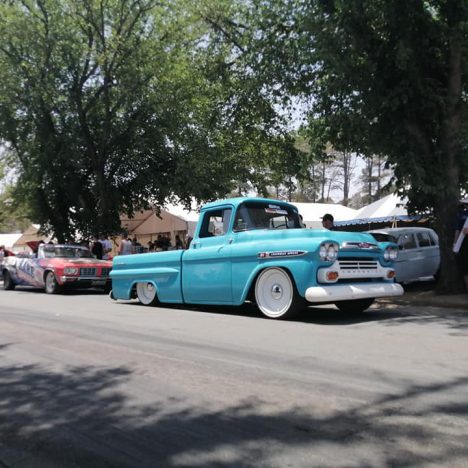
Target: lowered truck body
pixel 256 249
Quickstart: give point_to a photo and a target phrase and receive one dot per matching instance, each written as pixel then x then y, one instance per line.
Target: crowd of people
pixel 102 247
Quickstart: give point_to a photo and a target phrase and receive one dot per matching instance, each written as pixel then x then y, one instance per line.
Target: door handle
pixel 196 245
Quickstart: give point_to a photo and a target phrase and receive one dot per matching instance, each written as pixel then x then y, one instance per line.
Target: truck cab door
pixel 206 269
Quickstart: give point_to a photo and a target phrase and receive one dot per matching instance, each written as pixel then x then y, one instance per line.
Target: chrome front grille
pixel 87 271
pixel 105 271
pixel 358 264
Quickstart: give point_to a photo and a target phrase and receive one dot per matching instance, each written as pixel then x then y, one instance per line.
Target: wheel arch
pixel 46 271
pixel 133 286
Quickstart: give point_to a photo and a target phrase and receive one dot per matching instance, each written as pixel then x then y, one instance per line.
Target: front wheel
pixel 8 284
pixel 146 293
pixel 276 294
pixel 51 285
pixel 355 307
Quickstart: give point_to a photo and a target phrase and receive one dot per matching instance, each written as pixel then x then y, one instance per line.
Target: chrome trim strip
pixel 282 253
pixel 359 245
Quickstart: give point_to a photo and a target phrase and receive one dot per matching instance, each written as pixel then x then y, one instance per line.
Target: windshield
pixel 66 251
pixel 261 215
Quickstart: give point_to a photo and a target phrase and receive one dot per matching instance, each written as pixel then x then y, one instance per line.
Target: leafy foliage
pixel 113 105
pixel 383 78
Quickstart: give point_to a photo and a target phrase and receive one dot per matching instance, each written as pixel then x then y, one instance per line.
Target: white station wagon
pixel 418 256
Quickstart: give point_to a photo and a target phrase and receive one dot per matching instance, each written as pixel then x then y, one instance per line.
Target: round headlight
pixel 323 252
pixel 332 253
pixel 390 254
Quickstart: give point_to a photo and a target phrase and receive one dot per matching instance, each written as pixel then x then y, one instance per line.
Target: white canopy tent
pixel 388 210
pixel 312 212
pixel 391 205
pixel 8 240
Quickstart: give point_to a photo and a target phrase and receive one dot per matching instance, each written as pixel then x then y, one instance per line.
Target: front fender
pixel 303 272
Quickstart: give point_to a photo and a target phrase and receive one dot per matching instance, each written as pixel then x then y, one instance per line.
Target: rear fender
pixel 165 280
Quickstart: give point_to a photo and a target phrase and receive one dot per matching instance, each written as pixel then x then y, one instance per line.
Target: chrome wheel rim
pixel 146 293
pixel 274 292
pixel 50 282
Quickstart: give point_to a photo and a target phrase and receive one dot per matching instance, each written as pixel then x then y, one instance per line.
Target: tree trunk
pixel 451 278
pixel 379 175
pixel 347 172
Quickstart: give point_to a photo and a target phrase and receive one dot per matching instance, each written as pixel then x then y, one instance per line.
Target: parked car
pixel 55 267
pixel 256 249
pixel 419 254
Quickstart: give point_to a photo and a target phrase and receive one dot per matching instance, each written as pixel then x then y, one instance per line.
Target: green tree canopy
pixel 384 77
pixel 112 105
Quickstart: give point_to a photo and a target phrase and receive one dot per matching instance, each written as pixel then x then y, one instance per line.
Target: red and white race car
pixel 55 267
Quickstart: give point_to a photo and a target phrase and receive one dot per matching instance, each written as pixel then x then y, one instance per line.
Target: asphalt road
pixel 88 382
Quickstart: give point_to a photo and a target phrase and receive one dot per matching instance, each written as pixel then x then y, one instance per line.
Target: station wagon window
pixel 382 237
pixel 424 239
pixel 260 215
pixel 406 241
pixel 215 223
pixel 434 238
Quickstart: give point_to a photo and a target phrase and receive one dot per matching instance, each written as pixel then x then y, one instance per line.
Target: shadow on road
pixel 388 314
pixel 80 417
pixel 66 292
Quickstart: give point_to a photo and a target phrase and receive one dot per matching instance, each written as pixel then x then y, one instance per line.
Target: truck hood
pixel 308 235
pixel 71 262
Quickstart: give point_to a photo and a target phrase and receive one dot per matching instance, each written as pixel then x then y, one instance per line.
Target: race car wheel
pixel 146 293
pixel 276 294
pixel 8 284
pixel 51 285
pixel 354 307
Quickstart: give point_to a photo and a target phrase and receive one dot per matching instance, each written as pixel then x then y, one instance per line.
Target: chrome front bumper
pixel 85 279
pixel 349 292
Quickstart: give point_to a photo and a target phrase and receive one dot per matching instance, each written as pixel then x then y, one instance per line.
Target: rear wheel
pixel 51 285
pixel 8 284
pixel 356 306
pixel 276 294
pixel 146 293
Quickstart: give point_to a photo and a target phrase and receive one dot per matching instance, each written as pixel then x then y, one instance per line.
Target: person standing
pixel 106 247
pixel 328 222
pixel 97 249
pixel 460 246
pixel 178 243
pixel 126 246
pixel 462 214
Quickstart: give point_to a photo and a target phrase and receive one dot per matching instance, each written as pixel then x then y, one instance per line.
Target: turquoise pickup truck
pixel 255 249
